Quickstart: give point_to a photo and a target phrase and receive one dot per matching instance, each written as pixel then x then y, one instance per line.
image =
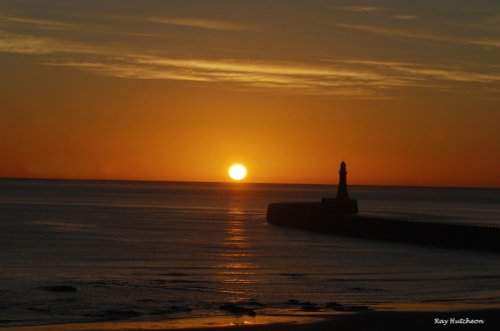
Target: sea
pixel 86 251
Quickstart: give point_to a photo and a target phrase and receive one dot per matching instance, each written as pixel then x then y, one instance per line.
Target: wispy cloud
pixel 352 78
pixel 405 17
pixel 202 23
pixel 361 8
pixel 302 79
pixel 417 71
pixel 28 44
pixel 453 75
pixel 367 79
pixel 391 32
pixel 189 22
pixel 124 69
pixel 124 62
pixel 40 23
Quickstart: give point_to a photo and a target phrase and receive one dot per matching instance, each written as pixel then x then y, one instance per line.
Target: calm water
pixel 134 249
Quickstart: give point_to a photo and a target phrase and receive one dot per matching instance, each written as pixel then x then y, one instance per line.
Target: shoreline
pixel 484 319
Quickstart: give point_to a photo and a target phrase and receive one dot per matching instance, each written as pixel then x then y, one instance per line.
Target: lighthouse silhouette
pixel 342 203
pixel 342 189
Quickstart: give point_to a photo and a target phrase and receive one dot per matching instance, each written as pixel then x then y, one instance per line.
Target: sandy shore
pixel 475 320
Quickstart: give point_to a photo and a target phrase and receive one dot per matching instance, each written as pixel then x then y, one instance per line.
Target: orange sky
pixel 405 93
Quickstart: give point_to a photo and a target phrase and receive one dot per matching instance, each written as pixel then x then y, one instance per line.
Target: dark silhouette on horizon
pixel 342 204
pixel 342 190
pixel 338 216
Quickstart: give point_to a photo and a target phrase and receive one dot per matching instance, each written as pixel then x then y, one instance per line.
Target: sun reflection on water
pixel 237 265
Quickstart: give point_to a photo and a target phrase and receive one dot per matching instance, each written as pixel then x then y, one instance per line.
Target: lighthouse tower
pixel 342 190
pixel 342 203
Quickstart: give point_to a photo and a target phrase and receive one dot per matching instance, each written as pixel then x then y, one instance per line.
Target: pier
pixel 339 216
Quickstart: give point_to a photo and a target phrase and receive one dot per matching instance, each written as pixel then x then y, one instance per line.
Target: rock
pixel 237 310
pixel 293 302
pixel 333 305
pixel 309 306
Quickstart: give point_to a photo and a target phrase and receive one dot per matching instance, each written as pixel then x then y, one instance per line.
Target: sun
pixel 237 172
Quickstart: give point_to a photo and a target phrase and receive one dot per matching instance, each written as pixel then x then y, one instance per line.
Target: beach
pixel 470 320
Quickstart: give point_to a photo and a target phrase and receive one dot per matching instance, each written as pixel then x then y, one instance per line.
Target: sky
pixel 406 92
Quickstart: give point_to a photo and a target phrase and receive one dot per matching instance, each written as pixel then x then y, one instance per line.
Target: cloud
pixel 40 23
pixel 302 79
pixel 349 78
pixel 489 42
pixel 417 71
pixel 202 23
pixel 125 70
pixel 405 17
pixel 126 63
pixel 452 75
pixel 363 79
pixel 361 8
pixel 35 45
pixel 255 67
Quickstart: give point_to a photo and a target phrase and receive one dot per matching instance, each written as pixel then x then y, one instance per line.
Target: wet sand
pixel 376 320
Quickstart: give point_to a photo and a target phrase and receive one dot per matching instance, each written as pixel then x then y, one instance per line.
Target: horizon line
pixel 238 183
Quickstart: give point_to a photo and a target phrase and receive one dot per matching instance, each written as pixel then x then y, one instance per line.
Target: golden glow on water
pixel 236 266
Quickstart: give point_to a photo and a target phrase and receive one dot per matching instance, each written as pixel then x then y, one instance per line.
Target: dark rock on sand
pixel 333 305
pixel 59 288
pixel 237 310
pixel 309 306
pixel 293 302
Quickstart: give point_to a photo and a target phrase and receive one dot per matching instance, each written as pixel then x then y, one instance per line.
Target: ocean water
pixel 154 250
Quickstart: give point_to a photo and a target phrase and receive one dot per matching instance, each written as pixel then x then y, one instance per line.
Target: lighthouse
pixel 342 203
pixel 342 189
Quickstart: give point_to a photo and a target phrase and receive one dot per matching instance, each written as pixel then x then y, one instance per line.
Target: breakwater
pixel 324 218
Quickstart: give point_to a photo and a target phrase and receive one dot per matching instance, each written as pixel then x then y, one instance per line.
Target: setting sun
pixel 237 172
